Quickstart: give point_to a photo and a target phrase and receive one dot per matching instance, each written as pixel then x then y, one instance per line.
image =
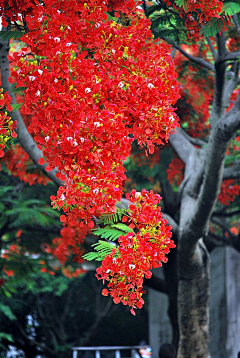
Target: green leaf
pixel 102 249
pixel 7 35
pixel 16 106
pixel 6 336
pixel 181 3
pixel 6 310
pixel 16 89
pixel 108 233
pixel 231 8
pixel 214 25
pixel 123 227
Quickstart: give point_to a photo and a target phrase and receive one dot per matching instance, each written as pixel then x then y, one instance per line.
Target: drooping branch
pixel 197 60
pixel 24 137
pixel 232 172
pixel 214 53
pixel 215 154
pixel 156 283
pixel 181 144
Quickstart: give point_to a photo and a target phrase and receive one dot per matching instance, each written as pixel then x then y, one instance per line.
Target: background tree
pixel 204 149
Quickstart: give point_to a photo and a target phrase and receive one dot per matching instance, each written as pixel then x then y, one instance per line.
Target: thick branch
pixel 181 144
pixel 219 87
pixel 24 137
pixel 231 56
pixel 215 154
pixel 156 283
pixel 232 172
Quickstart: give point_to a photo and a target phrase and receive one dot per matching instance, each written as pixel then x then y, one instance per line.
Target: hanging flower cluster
pixel 69 244
pixel 229 191
pixel 137 253
pixel 16 10
pixel 20 165
pixel 91 92
pixel 175 171
pixel 7 125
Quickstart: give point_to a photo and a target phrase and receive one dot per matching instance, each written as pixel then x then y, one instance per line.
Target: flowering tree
pixel 91 82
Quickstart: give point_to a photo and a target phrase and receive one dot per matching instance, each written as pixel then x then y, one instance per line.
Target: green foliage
pixel 16 106
pixel 111 231
pixel 181 3
pixel 31 211
pixel 231 8
pixel 103 248
pixel 18 89
pixel 6 310
pixel 7 35
pixel 215 25
pixel 109 219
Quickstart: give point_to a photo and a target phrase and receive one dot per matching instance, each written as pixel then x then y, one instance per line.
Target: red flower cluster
pixel 69 245
pixel 91 91
pixel 15 10
pixel 7 126
pixel 175 171
pixel 19 164
pixel 229 190
pixel 137 253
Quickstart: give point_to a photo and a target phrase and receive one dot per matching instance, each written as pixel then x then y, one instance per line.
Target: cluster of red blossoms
pixel 7 126
pixel 175 171
pixel 91 92
pixel 20 165
pixel 137 253
pixel 229 191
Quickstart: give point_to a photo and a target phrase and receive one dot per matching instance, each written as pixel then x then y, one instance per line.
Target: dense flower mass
pixel 68 247
pixel 7 125
pixel 91 92
pixel 94 80
pixel 138 252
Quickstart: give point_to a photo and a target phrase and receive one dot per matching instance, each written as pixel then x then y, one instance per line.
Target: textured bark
pixel 193 307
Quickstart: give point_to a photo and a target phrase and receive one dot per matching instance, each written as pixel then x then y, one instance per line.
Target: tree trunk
pixel 193 304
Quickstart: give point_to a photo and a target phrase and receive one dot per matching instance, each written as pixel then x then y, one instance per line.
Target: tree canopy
pixel 90 89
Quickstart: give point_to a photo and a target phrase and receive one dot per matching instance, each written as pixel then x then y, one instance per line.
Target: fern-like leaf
pixel 215 25
pixel 7 35
pixel 102 249
pixel 231 8
pixel 16 106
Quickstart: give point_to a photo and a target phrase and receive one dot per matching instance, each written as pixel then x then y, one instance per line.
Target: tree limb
pixel 232 172
pixel 181 144
pixel 215 154
pixel 24 137
pixel 197 60
pixel 156 283
pixel 219 85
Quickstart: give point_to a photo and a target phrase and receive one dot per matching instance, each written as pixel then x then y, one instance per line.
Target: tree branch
pixel 197 60
pixel 232 172
pixel 181 144
pixel 219 86
pixel 215 154
pixel 24 137
pixel 156 283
